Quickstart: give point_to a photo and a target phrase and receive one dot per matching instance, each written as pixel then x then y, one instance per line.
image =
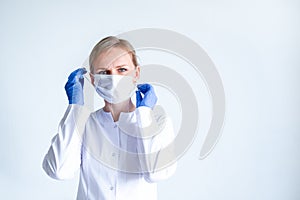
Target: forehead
pixel 112 57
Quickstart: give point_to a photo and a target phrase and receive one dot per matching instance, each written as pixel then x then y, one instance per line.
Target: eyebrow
pixel 123 65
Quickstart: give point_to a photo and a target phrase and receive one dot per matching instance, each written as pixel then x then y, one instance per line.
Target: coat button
pixel 111 188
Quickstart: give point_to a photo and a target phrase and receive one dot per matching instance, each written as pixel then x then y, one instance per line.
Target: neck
pixel 116 109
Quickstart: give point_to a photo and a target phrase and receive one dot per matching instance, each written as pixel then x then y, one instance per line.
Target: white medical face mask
pixel 114 88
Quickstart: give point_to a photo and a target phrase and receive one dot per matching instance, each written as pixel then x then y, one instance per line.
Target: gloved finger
pixel 150 95
pixel 70 84
pixel 81 80
pixel 76 81
pixel 138 98
pixel 144 87
pixel 77 73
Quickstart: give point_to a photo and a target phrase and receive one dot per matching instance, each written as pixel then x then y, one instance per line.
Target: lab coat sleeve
pixel 64 155
pixel 154 167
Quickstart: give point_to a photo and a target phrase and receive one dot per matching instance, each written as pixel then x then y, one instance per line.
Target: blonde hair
pixel 108 43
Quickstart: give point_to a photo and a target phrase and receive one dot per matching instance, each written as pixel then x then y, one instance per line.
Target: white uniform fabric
pixel 72 150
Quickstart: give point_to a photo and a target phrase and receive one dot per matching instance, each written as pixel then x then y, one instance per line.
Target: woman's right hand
pixel 74 86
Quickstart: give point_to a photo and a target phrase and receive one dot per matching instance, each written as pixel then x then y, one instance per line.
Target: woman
pixel 117 148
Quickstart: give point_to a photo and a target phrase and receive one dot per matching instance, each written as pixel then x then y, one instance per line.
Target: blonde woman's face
pixel 115 61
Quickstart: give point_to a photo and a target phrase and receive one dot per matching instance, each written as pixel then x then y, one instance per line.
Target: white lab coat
pixel 94 143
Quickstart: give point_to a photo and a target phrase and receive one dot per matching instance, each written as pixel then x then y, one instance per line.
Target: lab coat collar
pixel 108 118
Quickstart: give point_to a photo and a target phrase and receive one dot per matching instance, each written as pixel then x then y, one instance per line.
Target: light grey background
pixel 254 44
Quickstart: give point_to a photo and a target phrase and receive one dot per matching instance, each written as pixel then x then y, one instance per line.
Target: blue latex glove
pixel 74 86
pixel 149 99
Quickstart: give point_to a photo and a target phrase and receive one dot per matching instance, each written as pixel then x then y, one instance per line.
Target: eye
pixel 103 72
pixel 122 69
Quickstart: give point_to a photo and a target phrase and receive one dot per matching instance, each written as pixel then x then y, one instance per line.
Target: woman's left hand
pixel 149 98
